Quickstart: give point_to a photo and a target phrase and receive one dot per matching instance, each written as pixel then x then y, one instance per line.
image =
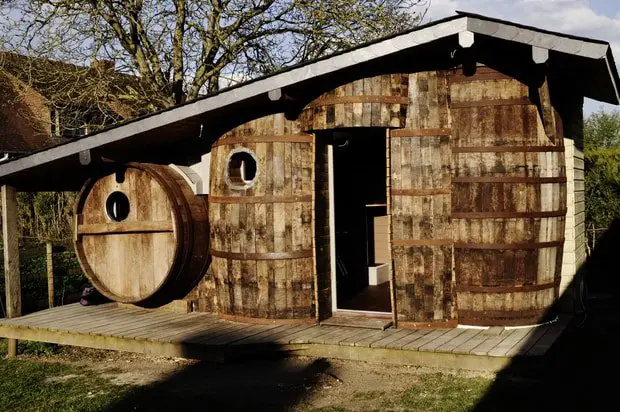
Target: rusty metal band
pixel 259 199
pixel 519 215
pixel 332 100
pixel 506 289
pixel 420 132
pixel 291 138
pixel 509 246
pixel 300 254
pixel 508 149
pixel 508 179
pixel 488 103
pixel 478 76
pixel 475 314
pixel 422 192
pixel 125 227
pixel 422 242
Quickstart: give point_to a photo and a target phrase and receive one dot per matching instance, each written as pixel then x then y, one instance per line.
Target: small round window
pixel 117 206
pixel 241 172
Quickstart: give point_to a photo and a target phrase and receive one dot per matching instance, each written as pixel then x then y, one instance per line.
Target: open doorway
pixel 359 219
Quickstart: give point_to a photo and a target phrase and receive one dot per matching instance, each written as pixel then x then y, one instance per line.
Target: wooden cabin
pixel 432 178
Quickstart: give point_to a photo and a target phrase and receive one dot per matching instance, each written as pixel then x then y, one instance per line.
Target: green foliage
pixel 37 348
pixel 69 279
pixel 46 215
pixel 602 131
pixel 602 172
pixel 602 191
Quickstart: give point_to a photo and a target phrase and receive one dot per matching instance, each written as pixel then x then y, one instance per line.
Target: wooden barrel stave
pixel 145 267
pixel 509 202
pixel 379 101
pixel 262 235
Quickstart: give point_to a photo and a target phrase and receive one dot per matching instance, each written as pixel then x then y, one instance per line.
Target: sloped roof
pixel 587 63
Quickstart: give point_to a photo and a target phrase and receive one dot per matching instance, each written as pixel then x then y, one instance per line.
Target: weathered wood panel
pixel 508 199
pixel 10 241
pixel 158 251
pixel 262 233
pixel 379 101
pixel 421 204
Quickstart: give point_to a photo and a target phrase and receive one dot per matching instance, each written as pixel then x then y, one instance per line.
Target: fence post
pixel 10 238
pixel 50 272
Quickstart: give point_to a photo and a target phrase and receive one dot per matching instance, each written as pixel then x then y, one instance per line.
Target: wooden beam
pixel 540 55
pixel 546 110
pixel 466 39
pixel 49 253
pixel 10 238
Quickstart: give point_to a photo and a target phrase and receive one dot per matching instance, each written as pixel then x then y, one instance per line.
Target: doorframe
pixel 332 233
pixel 332 226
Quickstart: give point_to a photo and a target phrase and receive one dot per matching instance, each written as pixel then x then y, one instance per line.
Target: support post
pixel 11 258
pixel 50 272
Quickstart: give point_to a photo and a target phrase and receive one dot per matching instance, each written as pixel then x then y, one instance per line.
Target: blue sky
pixel 599 19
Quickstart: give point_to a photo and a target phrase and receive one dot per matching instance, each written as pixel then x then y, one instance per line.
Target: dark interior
pixel 359 195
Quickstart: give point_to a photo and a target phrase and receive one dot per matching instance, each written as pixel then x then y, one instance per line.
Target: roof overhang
pixel 58 168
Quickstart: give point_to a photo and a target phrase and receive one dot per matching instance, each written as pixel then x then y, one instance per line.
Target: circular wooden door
pixel 128 233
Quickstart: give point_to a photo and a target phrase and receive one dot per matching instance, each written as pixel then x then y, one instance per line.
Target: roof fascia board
pixel 544 40
pixel 322 67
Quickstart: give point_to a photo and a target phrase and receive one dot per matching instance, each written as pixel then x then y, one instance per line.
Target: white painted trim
pixel 190 176
pixel 540 55
pixel 332 226
pixel 466 39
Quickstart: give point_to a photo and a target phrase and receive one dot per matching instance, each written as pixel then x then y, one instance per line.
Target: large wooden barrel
pixel 262 220
pixel 379 101
pixel 141 234
pixel 420 176
pixel 508 199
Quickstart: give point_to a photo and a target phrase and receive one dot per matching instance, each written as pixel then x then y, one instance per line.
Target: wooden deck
pixel 205 336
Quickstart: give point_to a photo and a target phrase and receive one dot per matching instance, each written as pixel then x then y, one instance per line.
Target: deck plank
pixel 525 344
pixel 137 320
pixel 490 342
pixel 123 327
pixel 85 322
pixel 434 344
pixel 392 337
pixel 416 344
pixel 236 335
pixel 470 344
pixel 194 331
pixel 407 339
pixel 552 334
pixel 74 321
pixel 452 344
pixel 334 338
pixel 509 342
pixel 180 326
pixel 306 336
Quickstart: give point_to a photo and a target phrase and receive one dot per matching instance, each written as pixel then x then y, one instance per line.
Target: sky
pixel 598 19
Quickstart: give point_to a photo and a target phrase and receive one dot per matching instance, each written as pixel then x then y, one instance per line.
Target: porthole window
pixel 117 206
pixel 242 169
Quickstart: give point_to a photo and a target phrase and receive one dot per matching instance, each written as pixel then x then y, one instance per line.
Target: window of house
pixel 242 170
pixel 117 206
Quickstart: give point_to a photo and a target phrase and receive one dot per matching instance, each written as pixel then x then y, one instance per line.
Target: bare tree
pixel 180 49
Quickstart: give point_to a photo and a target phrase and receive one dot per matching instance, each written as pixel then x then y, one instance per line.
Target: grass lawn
pixel 46 382
pixel 44 385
